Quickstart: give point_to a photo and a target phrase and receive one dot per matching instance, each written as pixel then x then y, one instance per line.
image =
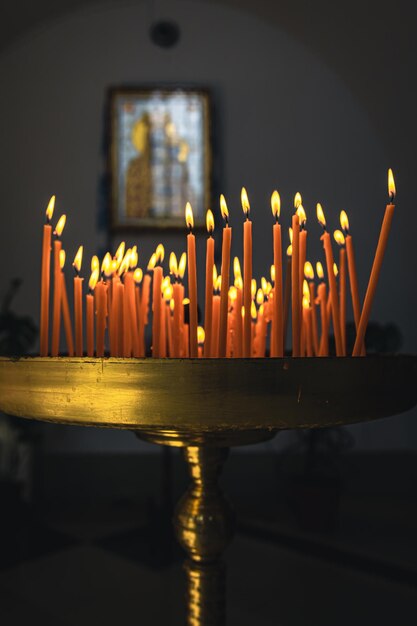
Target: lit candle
pixel 157 307
pixel 247 274
pixel 45 278
pixel 209 283
pixel 277 337
pixel 216 317
pixel 327 245
pixel 137 277
pixel 376 267
pixel 225 273
pixel 173 268
pixel 353 278
pixel 56 320
pixel 309 274
pixel 201 335
pixel 295 279
pixel 238 283
pixel 302 251
pixel 307 322
pixel 340 240
pixel 78 302
pixel 192 281
pixel 287 289
pixel 130 305
pixel 324 318
pixel 101 310
pixel 90 311
pixel 65 309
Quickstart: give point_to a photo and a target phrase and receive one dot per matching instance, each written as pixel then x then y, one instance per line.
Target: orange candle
pixel 138 347
pixel 216 325
pixel 156 320
pixel 309 274
pixel 327 245
pixel 247 275
pixel 353 279
pixel 209 283
pixel 56 320
pixel 65 310
pixel 225 273
pixel 45 279
pixel 295 286
pixel 192 281
pixel 307 325
pixel 322 299
pixel 78 303
pixel 287 293
pixel 277 343
pixel 90 312
pixel 201 336
pixel 177 298
pixel 302 252
pixel 376 267
pixel 101 313
pixel 340 240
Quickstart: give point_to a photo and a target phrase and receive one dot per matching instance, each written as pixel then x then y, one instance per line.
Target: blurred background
pixel 312 97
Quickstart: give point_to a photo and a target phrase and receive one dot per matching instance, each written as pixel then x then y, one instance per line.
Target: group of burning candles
pixel 241 320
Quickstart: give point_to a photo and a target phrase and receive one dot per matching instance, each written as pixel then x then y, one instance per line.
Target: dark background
pixel 316 97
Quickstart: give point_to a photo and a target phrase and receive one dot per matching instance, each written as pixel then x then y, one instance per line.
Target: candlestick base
pixel 207 406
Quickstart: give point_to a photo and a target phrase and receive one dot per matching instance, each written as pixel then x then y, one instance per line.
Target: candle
pixel 78 302
pixel 324 319
pixel 277 343
pixel 137 277
pixel 238 283
pixel 90 311
pixel 45 278
pixel 56 319
pixel 295 286
pixel 247 274
pixel 225 273
pixel 307 322
pixel 176 339
pixel 101 313
pixel 340 240
pixel 302 251
pixel 287 291
pixel 376 267
pixel 309 274
pixel 216 318
pixel 192 281
pixel 65 309
pixel 327 245
pixel 209 284
pixel 157 306
pixel 201 335
pixel 353 279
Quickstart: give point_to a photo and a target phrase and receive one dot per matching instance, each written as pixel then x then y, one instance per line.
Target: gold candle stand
pixel 207 406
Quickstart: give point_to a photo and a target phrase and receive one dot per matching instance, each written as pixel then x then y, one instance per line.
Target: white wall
pixel 285 121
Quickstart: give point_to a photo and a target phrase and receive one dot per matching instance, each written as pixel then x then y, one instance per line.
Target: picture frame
pixel 160 156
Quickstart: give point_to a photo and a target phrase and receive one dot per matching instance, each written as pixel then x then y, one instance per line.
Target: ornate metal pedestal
pixel 207 406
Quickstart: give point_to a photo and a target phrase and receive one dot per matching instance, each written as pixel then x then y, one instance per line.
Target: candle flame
pixel 171 305
pixel 201 335
pixel 264 284
pixel 189 217
pixel 120 252
pixel 301 215
pixel 50 209
pixel 113 266
pixel 319 270
pixel 272 273
pixel 306 289
pixel 62 257
pixel 125 264
pixel 152 262
pixel 214 274
pixel 391 184
pixel 168 292
pixel 344 222
pixel 223 209
pixel 289 250
pixel 138 275
pixel 182 265
pixel 253 287
pixel 218 283
pixel 290 234
pixel 243 312
pixel 306 302
pixel 269 289
pixel 236 268
pixel 106 265
pixel 320 215
pixel 259 297
pixel 173 264
pixel 78 259
pixel 245 202
pixel 297 200
pixel 60 225
pixel 253 311
pixel 95 263
pixel 185 301
pixel 210 221
pixel 239 283
pixel 308 270
pixel 232 293
pixel 335 270
pixel 134 257
pixel 160 253
pixel 93 279
pixel 165 283
pixel 339 237
pixel 276 204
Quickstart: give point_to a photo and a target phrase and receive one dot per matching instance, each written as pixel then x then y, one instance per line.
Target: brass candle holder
pixel 207 406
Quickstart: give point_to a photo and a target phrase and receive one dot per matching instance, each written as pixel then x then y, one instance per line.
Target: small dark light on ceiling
pixel 165 34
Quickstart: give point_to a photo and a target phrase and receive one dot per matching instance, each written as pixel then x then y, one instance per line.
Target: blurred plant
pixel 17 333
